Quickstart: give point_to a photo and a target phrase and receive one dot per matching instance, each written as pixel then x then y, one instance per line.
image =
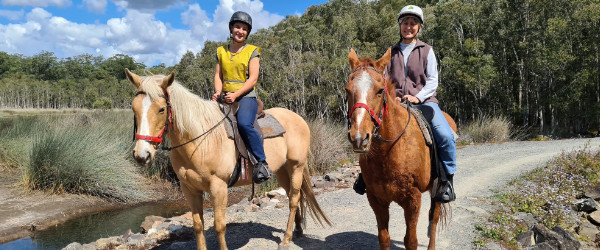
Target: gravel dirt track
pixel 481 169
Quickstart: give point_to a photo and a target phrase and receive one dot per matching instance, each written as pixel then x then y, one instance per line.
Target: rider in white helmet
pixel 413 68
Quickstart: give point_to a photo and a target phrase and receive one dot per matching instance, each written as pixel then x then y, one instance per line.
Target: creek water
pixel 89 228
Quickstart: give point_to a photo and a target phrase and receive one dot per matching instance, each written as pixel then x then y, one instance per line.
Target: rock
pixel 526 239
pixel 251 208
pixel 280 205
pixel 179 232
pixel 587 230
pixel 557 238
pixel 593 192
pixel 587 205
pixel 277 192
pixel 149 222
pixel 569 242
pixel 543 246
pixel 136 240
pixel 594 218
pixel 74 246
pixel 526 218
pixel 107 243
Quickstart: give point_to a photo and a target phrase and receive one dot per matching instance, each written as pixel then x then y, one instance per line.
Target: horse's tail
pixel 308 201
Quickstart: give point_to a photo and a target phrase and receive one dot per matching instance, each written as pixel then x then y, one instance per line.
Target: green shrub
pixel 486 129
pixel 103 103
pixel 328 146
pixel 83 160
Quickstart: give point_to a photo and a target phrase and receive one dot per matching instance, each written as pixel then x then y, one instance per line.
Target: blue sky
pixel 151 31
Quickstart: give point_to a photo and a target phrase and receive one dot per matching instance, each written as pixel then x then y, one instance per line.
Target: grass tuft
pixel 329 146
pixel 487 129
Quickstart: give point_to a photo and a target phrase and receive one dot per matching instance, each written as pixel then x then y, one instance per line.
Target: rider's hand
pixel 411 99
pixel 216 95
pixel 230 97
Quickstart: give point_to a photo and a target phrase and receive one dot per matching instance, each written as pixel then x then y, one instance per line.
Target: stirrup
pixel 446 193
pixel 261 172
pixel 359 185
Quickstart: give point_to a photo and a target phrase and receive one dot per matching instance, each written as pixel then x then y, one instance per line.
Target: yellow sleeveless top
pixel 234 66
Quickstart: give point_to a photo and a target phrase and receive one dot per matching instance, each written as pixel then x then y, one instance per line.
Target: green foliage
pixel 103 103
pixel 84 153
pixel 496 57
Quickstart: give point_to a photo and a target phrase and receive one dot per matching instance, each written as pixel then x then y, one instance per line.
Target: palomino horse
pixel 394 160
pixel 164 107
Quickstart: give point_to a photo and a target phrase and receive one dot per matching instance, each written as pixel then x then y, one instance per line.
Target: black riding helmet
pixel 240 16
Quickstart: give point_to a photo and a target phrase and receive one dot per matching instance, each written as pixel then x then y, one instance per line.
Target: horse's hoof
pixel 282 247
pixel 298 234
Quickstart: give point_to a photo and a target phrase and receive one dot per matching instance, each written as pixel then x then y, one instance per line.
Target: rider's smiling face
pixel 239 31
pixel 409 28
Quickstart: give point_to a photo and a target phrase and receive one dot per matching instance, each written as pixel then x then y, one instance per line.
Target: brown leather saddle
pixel 266 126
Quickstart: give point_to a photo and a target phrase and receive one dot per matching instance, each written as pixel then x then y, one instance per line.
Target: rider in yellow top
pixel 236 74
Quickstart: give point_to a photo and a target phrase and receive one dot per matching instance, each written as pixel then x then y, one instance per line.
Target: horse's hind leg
pixel 292 184
pixel 382 214
pixel 218 195
pixel 434 217
pixel 195 201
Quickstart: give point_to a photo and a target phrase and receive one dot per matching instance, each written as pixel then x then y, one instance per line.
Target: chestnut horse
pixel 394 158
pixel 163 107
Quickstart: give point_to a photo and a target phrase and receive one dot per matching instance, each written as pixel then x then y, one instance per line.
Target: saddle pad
pixel 423 124
pixel 269 126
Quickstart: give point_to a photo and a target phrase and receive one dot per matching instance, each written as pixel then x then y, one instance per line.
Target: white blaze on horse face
pixel 363 85
pixel 144 125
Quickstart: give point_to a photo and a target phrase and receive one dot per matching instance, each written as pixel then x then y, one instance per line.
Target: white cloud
pixel 12 15
pixel 138 34
pixel 96 6
pixel 37 3
pixel 147 4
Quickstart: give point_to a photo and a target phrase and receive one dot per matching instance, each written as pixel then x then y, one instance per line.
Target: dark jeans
pixel 245 119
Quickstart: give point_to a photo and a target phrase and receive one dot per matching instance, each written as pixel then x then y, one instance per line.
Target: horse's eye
pixel 162 110
pixel 380 92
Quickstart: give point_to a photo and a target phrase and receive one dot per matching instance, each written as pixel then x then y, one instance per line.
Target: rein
pixel 160 138
pixel 384 110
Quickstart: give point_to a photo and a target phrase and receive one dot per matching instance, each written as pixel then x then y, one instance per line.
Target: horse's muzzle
pixel 359 144
pixel 144 158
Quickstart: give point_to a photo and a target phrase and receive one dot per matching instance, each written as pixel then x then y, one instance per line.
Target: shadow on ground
pixel 238 235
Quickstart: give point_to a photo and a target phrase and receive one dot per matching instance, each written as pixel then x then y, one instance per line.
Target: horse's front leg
pixel 412 207
pixel 382 214
pixel 195 200
pixel 218 195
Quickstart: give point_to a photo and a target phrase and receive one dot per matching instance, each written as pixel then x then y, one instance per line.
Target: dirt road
pixel 481 169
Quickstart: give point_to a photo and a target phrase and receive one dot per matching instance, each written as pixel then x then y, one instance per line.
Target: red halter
pixel 383 111
pixel 155 139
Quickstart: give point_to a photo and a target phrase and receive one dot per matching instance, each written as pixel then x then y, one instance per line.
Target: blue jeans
pixel 444 138
pixel 245 122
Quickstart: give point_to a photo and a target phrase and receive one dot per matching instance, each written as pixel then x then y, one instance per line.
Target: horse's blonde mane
pixel 192 115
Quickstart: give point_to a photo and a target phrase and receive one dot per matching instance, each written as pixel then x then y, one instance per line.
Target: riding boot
pixel 446 192
pixel 359 185
pixel 261 172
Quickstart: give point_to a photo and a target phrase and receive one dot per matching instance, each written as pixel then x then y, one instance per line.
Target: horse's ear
pixel 167 81
pixel 353 59
pixel 133 78
pixel 382 63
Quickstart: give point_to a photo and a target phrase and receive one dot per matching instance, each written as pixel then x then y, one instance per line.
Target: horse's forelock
pixel 151 85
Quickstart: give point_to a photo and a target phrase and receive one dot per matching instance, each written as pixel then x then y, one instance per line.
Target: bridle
pixel 168 123
pixel 154 139
pixel 377 120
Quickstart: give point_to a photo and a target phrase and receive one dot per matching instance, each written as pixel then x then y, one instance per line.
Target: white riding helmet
pixel 411 10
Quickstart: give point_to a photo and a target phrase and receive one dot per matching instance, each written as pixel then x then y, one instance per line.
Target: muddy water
pixel 89 228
